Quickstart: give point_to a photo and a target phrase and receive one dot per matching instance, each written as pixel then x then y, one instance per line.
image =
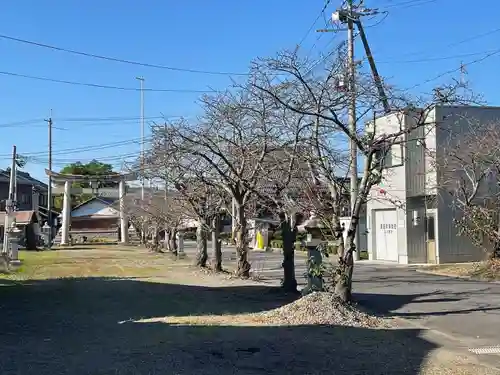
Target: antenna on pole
pixel 463 74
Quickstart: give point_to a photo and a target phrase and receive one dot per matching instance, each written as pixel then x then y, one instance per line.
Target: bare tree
pixel 283 172
pixel 155 214
pixel 204 204
pixel 223 152
pixel 317 95
pixel 471 176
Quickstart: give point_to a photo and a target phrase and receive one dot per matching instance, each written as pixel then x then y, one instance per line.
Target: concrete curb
pixel 464 278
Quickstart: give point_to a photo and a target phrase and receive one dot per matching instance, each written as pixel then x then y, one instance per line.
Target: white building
pixel 410 216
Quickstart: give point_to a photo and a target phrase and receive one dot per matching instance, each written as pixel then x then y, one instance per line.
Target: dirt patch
pixel 484 271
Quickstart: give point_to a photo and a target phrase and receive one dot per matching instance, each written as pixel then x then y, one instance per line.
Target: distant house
pixel 31 205
pixel 25 185
pixel 94 218
pixel 95 213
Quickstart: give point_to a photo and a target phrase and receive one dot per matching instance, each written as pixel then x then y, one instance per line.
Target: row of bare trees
pixel 278 142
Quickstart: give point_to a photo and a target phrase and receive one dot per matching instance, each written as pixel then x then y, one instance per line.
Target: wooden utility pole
pixel 351 15
pixel 351 71
pixel 49 185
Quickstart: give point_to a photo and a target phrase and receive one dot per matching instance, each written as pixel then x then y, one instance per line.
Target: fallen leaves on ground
pixel 319 308
pixel 488 270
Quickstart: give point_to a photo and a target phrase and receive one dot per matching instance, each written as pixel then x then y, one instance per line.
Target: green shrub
pixel 190 235
pixel 277 244
pixel 100 240
pixel 225 236
pixel 332 249
pixel 301 236
pixel 277 236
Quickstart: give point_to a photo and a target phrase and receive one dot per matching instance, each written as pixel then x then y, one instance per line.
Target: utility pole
pixel 351 71
pixel 165 156
pixel 351 15
pixel 14 201
pixel 141 80
pixel 9 205
pixel 49 185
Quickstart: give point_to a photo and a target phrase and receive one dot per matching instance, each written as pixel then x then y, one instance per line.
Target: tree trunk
pixel 243 269
pixel 156 234
pixel 216 261
pixel 165 239
pixel 289 233
pixel 495 254
pixel 343 284
pixel 172 243
pixel 201 245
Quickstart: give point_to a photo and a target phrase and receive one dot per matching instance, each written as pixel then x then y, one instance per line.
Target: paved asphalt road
pixel 468 312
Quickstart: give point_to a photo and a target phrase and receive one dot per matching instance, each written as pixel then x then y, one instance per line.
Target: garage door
pixel 386 236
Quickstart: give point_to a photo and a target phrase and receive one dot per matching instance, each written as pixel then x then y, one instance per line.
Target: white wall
pixel 95 208
pixel 394 185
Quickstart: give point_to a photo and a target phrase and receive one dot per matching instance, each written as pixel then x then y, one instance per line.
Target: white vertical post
pixel 123 214
pixel 9 208
pixel 233 220
pixel 66 213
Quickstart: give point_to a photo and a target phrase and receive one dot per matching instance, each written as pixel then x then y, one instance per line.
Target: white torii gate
pixel 94 181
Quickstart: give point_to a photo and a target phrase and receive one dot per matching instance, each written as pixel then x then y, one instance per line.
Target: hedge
pixel 278 244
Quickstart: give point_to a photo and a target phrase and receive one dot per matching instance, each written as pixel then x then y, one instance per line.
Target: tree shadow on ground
pixel 89 326
pixel 388 304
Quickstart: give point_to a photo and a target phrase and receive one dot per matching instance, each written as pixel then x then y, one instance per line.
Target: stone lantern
pixel 180 244
pixel 14 237
pixel 46 234
pixel 314 240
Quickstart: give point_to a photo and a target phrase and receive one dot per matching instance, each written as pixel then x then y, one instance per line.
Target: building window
pixel 384 156
pixel 25 199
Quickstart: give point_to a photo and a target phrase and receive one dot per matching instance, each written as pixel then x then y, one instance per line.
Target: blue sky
pixel 204 35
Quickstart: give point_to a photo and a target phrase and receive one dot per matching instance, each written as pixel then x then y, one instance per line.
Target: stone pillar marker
pixel 14 237
pixel 123 214
pixel 66 213
pixel 314 240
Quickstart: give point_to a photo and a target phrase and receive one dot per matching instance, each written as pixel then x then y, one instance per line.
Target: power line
pixel 96 147
pixel 435 58
pixel 321 13
pixel 115 59
pixel 118 119
pixel 95 85
pixel 408 4
pixel 453 44
pixel 327 2
pixel 59 161
pixel 491 54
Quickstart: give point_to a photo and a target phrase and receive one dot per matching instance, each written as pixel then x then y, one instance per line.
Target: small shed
pixel 27 222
